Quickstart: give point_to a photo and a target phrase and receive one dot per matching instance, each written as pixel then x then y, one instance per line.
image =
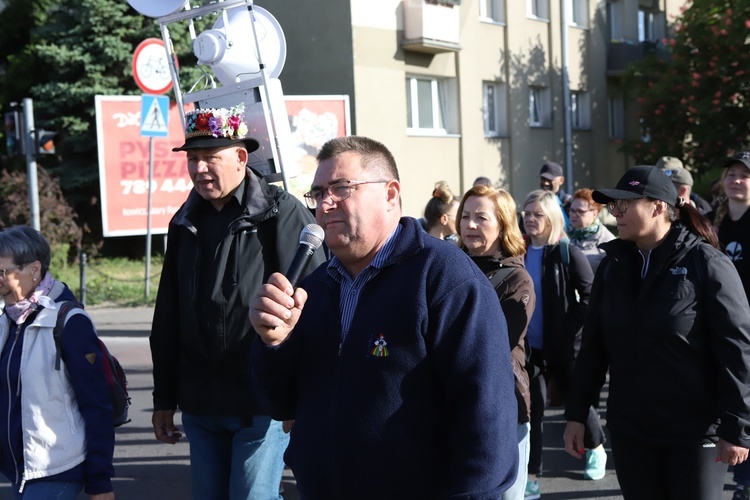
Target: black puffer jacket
pixel 207 372
pixel 565 301
pixel 677 344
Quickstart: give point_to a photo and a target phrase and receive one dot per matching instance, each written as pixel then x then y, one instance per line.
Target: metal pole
pixel 29 131
pixel 264 78
pixel 83 278
pixel 566 95
pixel 148 212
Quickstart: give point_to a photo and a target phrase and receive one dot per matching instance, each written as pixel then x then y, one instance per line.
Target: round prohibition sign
pixel 151 67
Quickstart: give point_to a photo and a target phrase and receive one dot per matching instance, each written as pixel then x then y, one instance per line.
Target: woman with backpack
pixel 562 280
pixel 56 432
pixel 670 321
pixel 489 233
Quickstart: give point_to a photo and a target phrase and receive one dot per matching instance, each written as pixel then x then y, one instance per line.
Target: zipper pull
pixel 341 346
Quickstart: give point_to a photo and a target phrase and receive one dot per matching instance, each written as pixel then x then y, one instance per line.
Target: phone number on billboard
pixel 139 186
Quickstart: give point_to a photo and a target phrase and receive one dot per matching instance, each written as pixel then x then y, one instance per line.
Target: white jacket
pixel 54 437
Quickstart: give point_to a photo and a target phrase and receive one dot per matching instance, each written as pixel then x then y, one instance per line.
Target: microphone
pixel 310 239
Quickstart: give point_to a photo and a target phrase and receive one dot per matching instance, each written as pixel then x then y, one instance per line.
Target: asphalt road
pixel 149 470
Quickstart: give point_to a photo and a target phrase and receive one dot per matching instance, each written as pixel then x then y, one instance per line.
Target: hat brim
pixel 208 142
pixel 732 161
pixel 549 176
pixel 604 196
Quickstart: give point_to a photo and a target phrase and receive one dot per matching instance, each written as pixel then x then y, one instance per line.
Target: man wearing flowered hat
pixel 231 233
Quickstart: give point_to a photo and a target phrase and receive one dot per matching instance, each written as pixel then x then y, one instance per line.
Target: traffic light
pixel 14 133
pixel 45 141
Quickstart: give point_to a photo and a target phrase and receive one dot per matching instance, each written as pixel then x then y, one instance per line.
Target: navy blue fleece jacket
pixel 434 418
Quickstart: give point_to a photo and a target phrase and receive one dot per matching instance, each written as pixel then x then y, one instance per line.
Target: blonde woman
pixel 489 233
pixel 562 281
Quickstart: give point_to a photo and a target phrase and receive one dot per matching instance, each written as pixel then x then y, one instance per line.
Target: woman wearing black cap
pixel 669 319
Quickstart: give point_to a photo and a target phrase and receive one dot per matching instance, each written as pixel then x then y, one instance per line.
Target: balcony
pixel 431 26
pixel 622 53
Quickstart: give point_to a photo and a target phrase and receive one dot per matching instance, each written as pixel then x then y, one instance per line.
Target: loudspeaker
pixel 230 50
pixel 157 8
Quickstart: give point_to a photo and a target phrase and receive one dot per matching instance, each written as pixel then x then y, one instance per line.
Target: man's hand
pixel 729 453
pixel 573 437
pixel 276 309
pixel 164 429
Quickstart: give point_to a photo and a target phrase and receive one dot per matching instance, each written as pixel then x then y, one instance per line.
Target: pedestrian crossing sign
pixel 154 115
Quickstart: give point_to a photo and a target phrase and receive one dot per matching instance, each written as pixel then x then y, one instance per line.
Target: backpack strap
pixel 62 317
pixel 500 275
pixel 565 251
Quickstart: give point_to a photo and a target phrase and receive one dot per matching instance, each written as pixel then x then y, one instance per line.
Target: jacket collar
pixel 259 204
pixel 411 240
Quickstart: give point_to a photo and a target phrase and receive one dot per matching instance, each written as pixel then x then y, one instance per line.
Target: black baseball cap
pixel 742 157
pixel 551 170
pixel 643 181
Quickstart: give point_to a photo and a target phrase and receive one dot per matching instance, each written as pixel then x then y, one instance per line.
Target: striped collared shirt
pixel 350 289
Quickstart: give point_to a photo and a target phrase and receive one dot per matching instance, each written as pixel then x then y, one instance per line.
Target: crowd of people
pixel 414 359
pixel 665 321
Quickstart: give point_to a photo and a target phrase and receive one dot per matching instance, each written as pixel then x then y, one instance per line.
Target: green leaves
pixel 695 105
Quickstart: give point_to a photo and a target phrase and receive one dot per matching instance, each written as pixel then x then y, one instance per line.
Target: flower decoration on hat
pixel 220 122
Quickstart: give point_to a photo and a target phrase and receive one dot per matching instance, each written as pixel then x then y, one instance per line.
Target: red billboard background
pixel 124 158
pixel 123 168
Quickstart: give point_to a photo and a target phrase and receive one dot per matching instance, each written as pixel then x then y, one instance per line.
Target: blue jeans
pixel 518 488
pixel 229 461
pixel 49 490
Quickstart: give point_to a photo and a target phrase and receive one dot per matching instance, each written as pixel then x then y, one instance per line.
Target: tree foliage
pixel 695 104
pixel 57 218
pixel 62 53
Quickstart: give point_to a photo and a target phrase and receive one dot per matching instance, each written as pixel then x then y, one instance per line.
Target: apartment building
pixel 463 88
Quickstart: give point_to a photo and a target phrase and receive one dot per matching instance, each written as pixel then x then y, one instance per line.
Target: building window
pixel 580 12
pixel 540 107
pixel 538 8
pixel 580 110
pixel 492 10
pixel 495 109
pixel 430 104
pixel 614 20
pixel 616 117
pixel 645 25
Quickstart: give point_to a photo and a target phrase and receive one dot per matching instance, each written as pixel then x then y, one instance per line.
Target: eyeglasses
pixel 532 215
pixel 4 272
pixel 580 212
pixel 619 206
pixel 338 192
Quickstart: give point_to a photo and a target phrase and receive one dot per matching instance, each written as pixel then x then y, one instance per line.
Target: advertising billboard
pixel 124 165
pixel 124 158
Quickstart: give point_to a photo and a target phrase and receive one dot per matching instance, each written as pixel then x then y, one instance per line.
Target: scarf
pixel 579 235
pixel 21 310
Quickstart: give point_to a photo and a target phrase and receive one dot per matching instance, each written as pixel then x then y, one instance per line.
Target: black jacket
pixel 677 344
pixel 565 300
pixel 207 372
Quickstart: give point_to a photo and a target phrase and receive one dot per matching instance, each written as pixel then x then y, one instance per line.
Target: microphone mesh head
pixel 312 235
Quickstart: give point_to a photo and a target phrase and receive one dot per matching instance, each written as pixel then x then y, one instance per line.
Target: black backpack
pixel 113 372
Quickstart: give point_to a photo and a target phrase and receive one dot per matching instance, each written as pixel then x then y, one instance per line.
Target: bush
pixel 56 217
